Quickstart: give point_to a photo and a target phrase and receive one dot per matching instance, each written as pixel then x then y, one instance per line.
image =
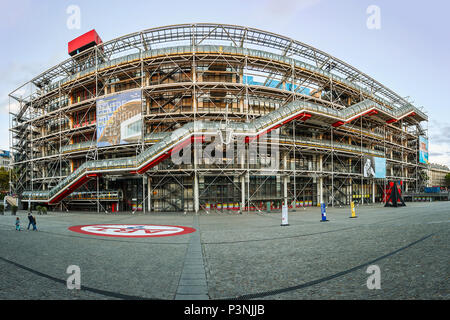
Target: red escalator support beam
pixel 301 117
pixel 78 183
pixel 169 152
pixel 338 124
pixel 153 163
pixel 369 113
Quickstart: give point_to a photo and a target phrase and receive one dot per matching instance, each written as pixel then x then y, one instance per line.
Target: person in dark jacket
pixel 30 220
pixel 34 223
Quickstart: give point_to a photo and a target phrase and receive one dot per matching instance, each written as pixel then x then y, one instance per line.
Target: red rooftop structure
pixel 84 42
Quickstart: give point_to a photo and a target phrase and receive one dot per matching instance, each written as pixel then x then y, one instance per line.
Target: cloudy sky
pixel 409 53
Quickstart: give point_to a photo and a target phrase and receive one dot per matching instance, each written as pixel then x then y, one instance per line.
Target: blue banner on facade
pixel 119 119
pixel 380 167
pixel 423 150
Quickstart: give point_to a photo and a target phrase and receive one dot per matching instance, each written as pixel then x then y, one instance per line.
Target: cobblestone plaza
pixel 248 256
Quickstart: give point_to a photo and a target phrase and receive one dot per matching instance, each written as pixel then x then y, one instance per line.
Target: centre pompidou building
pixel 100 131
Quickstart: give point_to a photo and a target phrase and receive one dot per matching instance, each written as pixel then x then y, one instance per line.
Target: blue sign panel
pixel 119 118
pixel 380 167
pixel 423 150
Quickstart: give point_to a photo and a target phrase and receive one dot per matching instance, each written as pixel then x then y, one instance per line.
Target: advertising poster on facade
pixel 423 150
pixel 374 167
pixel 119 119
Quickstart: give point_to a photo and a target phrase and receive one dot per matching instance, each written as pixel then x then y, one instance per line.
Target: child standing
pixel 18 224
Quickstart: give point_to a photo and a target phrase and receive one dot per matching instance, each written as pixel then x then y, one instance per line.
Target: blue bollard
pixel 323 208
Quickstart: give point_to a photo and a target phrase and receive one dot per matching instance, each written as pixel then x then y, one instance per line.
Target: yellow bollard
pixel 352 206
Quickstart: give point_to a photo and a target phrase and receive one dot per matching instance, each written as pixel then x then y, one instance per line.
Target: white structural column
pixel 285 179
pixel 196 192
pixel 149 194
pixel 98 197
pixel 374 188
pixel 406 178
pixel 350 189
pixel 194 100
pixel 242 193
pixel 285 182
pixel 144 205
pixel 320 190
pixel 320 181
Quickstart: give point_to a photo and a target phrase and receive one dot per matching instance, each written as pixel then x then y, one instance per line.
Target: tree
pixel 4 180
pixel 447 180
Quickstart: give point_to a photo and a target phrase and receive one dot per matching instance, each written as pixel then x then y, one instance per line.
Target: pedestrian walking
pixel 30 220
pixel 17 224
pixel 34 223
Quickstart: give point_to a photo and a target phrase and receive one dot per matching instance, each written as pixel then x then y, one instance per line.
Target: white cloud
pixel 289 7
pixel 439 153
pixel 439 142
pixel 17 74
pixel 7 106
pixel 13 13
pixel 283 12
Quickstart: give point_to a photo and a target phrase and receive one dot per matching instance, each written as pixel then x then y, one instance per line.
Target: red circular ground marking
pixel 131 230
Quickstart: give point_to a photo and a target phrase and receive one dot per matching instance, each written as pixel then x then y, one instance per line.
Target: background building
pixel 436 175
pixel 5 159
pixel 101 127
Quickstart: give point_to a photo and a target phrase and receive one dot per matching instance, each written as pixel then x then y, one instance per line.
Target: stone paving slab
pixel 192 297
pixel 193 289
pixel 192 276
pixel 193 269
pixel 192 282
